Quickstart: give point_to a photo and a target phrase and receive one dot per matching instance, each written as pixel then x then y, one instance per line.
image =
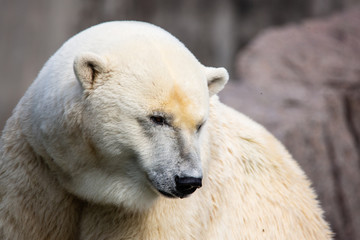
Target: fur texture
pixel 122 111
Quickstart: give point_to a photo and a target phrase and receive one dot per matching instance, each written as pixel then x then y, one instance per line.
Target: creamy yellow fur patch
pixel 182 108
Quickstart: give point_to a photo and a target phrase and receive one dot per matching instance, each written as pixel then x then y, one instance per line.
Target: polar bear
pixel 122 136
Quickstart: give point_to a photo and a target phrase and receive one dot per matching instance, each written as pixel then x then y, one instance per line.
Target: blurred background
pixel 294 66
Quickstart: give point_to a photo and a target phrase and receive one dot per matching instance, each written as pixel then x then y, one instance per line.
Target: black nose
pixel 187 185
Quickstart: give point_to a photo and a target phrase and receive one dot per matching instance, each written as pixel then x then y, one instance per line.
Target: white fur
pixel 82 157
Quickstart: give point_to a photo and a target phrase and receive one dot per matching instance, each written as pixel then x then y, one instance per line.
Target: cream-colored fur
pixel 83 158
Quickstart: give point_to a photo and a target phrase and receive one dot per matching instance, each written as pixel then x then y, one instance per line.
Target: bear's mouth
pixel 166 194
pixel 177 194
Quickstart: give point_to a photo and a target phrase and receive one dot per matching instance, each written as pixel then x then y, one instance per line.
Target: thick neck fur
pixel 166 219
pixel 32 204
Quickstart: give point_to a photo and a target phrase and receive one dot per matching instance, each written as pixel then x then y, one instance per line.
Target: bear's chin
pixel 104 189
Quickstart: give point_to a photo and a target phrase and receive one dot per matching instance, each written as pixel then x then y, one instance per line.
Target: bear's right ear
pixel 216 79
pixel 87 67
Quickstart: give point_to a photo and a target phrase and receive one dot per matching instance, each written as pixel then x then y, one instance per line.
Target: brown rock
pixel 303 83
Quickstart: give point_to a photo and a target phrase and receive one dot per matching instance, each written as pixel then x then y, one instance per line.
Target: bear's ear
pixel 87 67
pixel 216 79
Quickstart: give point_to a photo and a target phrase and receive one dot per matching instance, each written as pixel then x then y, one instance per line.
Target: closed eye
pixel 159 120
pixel 200 126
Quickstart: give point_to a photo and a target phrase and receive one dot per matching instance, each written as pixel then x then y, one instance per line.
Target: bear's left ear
pixel 87 67
pixel 216 79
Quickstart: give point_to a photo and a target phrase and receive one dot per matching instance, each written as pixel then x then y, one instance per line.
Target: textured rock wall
pixel 303 83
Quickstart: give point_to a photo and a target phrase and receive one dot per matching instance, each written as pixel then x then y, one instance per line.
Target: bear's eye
pixel 199 127
pixel 159 120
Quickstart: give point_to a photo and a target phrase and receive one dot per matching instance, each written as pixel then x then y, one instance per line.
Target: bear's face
pixel 143 121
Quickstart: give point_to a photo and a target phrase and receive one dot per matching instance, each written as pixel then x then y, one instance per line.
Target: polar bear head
pixel 138 101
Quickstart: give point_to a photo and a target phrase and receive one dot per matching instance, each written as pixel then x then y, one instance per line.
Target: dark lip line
pixel 166 194
pixel 172 195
